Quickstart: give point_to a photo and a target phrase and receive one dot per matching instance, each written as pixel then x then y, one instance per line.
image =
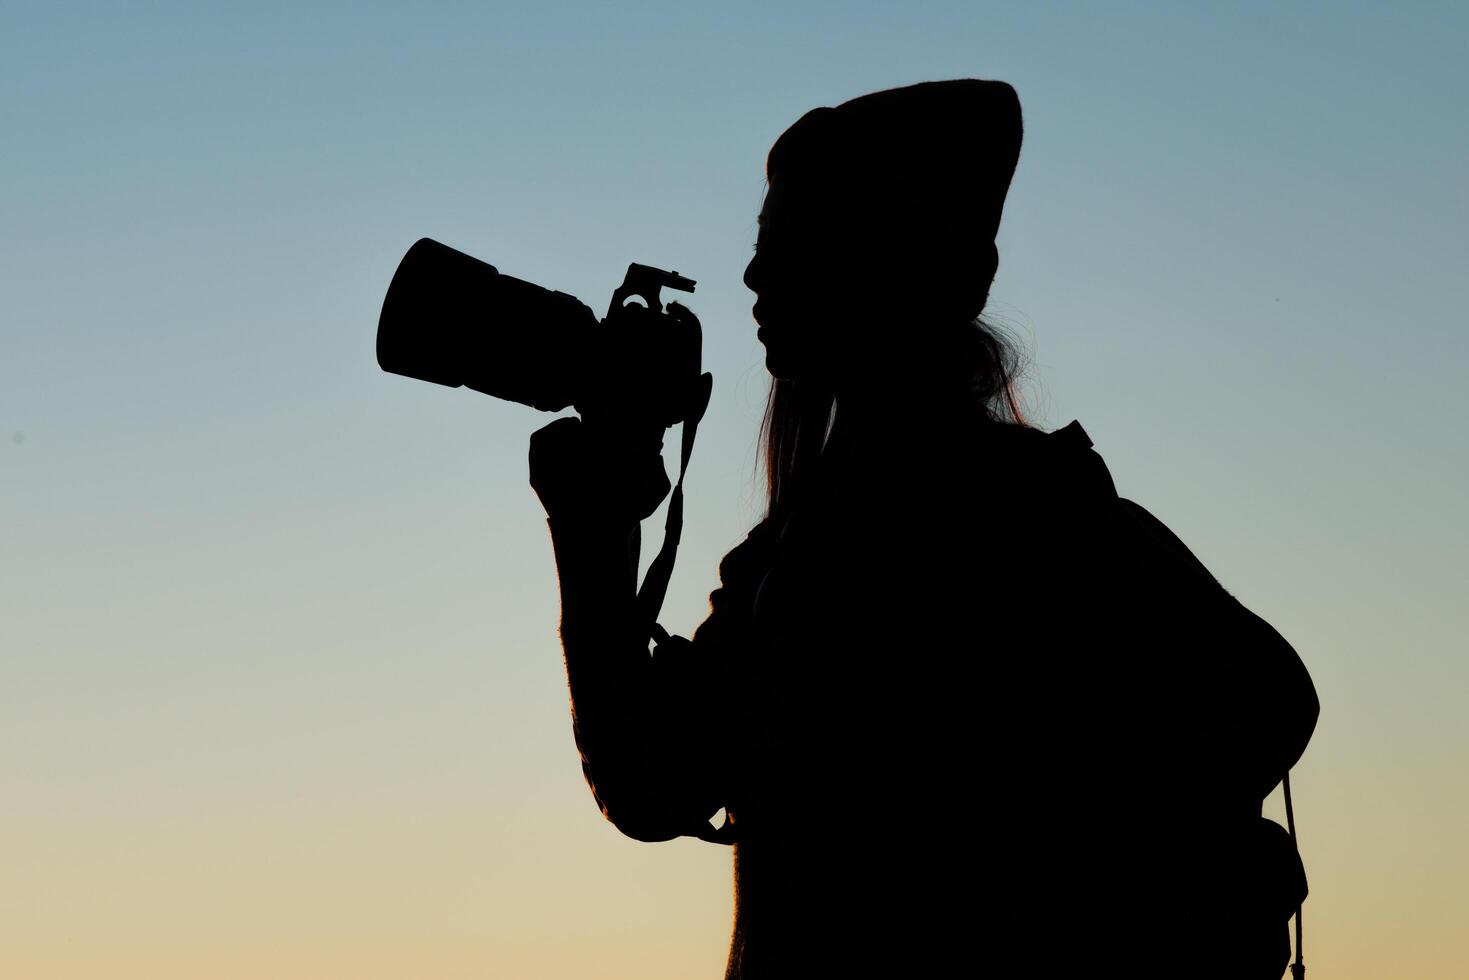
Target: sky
pixel 280 687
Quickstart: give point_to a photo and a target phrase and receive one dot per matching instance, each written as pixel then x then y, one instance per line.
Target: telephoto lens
pixel 454 320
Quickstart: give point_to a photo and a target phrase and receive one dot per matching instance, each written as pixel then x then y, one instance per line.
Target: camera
pixel 454 320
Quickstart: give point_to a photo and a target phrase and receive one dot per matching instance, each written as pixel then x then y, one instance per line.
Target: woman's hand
pixel 604 471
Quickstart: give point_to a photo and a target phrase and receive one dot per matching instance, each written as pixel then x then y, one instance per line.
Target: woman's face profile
pixel 823 286
pixel 795 278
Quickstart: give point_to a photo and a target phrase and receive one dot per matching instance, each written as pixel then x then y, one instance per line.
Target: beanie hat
pixel 936 157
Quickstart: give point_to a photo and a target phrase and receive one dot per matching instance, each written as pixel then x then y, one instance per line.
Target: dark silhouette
pixel 456 321
pixel 966 710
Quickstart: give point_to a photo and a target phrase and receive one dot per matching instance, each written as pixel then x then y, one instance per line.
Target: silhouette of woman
pixel 935 694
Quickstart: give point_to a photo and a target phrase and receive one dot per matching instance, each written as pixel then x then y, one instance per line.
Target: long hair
pixel 799 414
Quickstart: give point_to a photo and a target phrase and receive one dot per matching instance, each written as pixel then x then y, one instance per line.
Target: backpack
pixel 1252 880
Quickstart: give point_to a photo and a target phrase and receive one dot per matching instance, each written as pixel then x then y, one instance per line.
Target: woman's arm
pixel 630 715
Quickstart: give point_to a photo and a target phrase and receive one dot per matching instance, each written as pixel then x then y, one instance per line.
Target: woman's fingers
pixel 550 444
pixel 680 312
pixel 556 455
pixel 573 470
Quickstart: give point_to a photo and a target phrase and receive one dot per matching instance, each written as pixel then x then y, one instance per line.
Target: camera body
pixel 456 321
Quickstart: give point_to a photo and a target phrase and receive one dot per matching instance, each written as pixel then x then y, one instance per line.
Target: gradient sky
pixel 281 693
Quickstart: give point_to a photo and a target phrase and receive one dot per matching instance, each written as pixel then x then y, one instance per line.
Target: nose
pixel 752 274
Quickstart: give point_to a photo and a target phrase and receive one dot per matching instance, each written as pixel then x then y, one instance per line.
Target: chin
pixel 787 368
pixel 779 366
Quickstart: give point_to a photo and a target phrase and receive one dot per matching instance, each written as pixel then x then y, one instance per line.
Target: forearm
pixel 596 566
pixel 614 701
pixel 631 713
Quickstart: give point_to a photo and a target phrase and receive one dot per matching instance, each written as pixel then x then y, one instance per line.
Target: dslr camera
pixel 454 320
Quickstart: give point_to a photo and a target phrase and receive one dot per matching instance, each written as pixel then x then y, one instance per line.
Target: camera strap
pixel 660 570
pixel 655 582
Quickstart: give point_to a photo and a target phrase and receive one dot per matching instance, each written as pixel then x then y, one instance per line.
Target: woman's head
pixel 878 225
pixel 875 256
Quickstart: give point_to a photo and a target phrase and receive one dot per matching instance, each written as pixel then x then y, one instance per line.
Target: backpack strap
pixel 1073 434
pixel 1074 440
